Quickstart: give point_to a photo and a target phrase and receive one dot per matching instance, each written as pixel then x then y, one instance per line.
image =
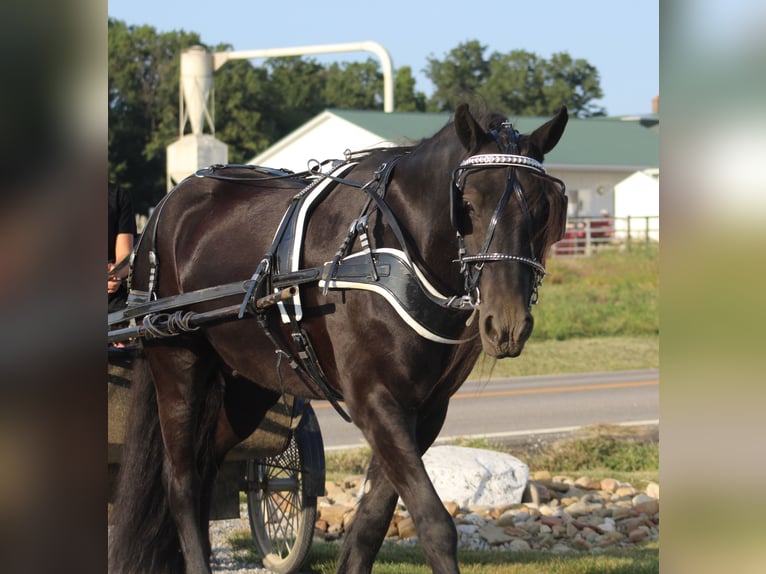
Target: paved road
pixel 529 405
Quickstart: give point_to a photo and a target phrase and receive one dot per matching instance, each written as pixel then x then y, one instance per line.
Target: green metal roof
pixel 598 142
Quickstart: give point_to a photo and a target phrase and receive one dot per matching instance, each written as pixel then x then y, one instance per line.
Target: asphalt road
pixel 529 405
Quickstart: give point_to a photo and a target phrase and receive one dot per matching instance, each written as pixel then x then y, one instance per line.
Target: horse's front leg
pixel 392 435
pixel 373 516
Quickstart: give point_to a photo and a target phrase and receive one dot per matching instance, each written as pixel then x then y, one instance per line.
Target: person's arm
pixel 122 247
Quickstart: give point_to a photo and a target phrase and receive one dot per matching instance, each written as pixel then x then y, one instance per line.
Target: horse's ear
pixel 469 132
pixel 548 135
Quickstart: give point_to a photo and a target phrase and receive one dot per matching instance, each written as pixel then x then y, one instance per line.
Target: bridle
pixel 471 266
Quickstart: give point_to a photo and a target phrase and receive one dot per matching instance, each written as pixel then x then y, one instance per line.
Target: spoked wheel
pixel 282 498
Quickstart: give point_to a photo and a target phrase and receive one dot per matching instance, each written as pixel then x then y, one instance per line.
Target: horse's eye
pixel 469 207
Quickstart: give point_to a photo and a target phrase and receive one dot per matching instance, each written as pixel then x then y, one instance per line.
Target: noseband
pixel 471 266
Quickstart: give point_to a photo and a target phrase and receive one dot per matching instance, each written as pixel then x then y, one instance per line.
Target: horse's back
pixel 212 230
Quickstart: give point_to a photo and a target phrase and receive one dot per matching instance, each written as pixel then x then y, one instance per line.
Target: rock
pixel 519 545
pixel 638 534
pixel 653 490
pixel 650 507
pixel 588 483
pixel 558 486
pixel 406 528
pixel 609 484
pixel 542 476
pixel 333 513
pixel 494 535
pixel 393 530
pixel 624 491
pixel 552 520
pixel 321 525
pixel 581 508
pixel 475 477
pixel 469 529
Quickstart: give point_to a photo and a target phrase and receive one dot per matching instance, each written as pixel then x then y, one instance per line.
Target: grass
pixel 395 559
pixel 609 294
pixel 552 357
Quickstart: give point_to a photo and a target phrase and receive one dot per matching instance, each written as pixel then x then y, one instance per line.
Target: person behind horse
pixel 121 231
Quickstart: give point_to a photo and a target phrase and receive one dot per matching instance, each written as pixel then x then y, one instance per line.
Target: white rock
pixel 475 477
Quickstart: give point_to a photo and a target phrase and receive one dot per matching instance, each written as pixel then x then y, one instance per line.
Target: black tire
pixel 282 498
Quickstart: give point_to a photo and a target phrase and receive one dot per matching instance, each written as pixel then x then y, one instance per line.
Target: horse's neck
pixel 423 189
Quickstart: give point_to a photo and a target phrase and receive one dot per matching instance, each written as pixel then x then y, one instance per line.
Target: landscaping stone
pixel 581 515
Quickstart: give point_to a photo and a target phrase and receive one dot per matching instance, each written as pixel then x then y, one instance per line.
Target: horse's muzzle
pixel 503 336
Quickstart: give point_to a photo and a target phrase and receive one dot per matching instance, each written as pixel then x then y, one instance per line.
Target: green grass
pixel 609 294
pixel 552 357
pixel 396 559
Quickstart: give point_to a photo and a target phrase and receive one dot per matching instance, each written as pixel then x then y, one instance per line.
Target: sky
pixel 619 37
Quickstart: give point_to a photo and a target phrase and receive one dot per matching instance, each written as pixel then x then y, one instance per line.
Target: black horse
pixel 407 261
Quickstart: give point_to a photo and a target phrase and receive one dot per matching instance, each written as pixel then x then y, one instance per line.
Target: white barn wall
pixel 325 137
pixel 638 196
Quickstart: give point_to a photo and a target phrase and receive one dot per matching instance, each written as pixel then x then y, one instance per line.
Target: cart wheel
pixel 282 498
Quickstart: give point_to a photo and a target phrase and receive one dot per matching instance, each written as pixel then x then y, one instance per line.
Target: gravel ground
pixel 223 556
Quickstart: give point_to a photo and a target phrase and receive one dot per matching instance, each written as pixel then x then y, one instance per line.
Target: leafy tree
pixel 456 77
pixel 243 97
pixel 517 83
pixel 354 86
pixel 406 99
pixel 143 106
pixel 296 87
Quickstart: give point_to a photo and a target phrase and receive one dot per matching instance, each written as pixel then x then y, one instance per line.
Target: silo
pixel 196 149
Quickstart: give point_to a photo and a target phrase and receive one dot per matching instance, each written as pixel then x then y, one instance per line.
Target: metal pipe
pixel 220 58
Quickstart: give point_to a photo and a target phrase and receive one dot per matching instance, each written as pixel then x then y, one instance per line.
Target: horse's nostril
pixel 493 334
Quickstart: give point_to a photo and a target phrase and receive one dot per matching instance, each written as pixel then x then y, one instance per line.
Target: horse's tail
pixel 143 537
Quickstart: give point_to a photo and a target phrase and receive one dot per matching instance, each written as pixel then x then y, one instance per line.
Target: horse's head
pixel 508 212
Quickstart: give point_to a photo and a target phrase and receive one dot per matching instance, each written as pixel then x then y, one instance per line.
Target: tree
pixel 143 106
pixel 406 99
pixel 243 99
pixel 517 83
pixel 460 74
pixel 354 86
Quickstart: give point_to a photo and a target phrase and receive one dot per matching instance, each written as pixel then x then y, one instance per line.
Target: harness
pixel 389 272
pixel 471 266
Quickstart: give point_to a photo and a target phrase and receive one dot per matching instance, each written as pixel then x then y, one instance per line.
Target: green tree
pixel 243 96
pixel 354 85
pixel 296 88
pixel 143 106
pixel 458 76
pixel 517 83
pixel 406 99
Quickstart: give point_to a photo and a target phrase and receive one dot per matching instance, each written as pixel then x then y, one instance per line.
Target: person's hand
pixel 113 282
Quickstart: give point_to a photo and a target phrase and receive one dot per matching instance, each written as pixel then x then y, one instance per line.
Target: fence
pixel 584 235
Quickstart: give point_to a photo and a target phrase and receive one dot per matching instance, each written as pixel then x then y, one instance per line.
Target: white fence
pixel 584 235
